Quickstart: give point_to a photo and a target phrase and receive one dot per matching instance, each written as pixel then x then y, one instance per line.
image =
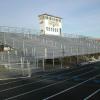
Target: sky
pixel 81 17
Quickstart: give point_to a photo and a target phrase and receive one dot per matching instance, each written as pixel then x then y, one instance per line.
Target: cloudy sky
pixel 79 16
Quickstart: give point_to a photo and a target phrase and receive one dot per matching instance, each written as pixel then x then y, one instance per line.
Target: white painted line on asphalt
pixel 21 86
pixel 39 88
pixel 85 73
pixel 92 94
pixel 11 78
pixel 43 80
pixel 39 81
pixel 70 88
pixel 37 76
pixel 25 78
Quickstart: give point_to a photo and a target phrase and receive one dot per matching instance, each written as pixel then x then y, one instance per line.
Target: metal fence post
pixel 22 66
pixel 53 59
pixel 29 69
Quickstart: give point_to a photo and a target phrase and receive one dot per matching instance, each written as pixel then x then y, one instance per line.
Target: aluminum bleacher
pixel 30 46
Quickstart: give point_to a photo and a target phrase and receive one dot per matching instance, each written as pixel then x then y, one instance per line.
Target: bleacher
pixel 59 45
pixel 31 47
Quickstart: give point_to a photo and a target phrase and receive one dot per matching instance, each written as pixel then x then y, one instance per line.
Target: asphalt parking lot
pixel 79 83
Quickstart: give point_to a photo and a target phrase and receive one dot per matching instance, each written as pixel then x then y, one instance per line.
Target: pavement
pixel 79 83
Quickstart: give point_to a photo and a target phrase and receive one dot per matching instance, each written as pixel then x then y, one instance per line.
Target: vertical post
pixel 37 62
pixel 61 62
pixel 77 55
pixel 2 57
pixel 45 50
pixel 29 69
pixel 61 56
pixel 26 51
pixel 70 59
pixel 44 57
pixel 4 38
pixel 43 64
pixel 16 52
pixel 53 60
pixel 23 48
pixel 32 52
pixel 13 43
pixel 9 60
pixel 22 66
pixel 35 56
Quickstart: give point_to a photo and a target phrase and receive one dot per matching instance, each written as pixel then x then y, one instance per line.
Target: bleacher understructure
pixel 30 49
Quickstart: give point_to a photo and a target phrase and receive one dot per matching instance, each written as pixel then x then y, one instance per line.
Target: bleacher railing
pixel 30 48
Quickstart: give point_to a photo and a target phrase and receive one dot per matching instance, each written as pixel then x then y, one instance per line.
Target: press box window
pixel 51 29
pixel 47 28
